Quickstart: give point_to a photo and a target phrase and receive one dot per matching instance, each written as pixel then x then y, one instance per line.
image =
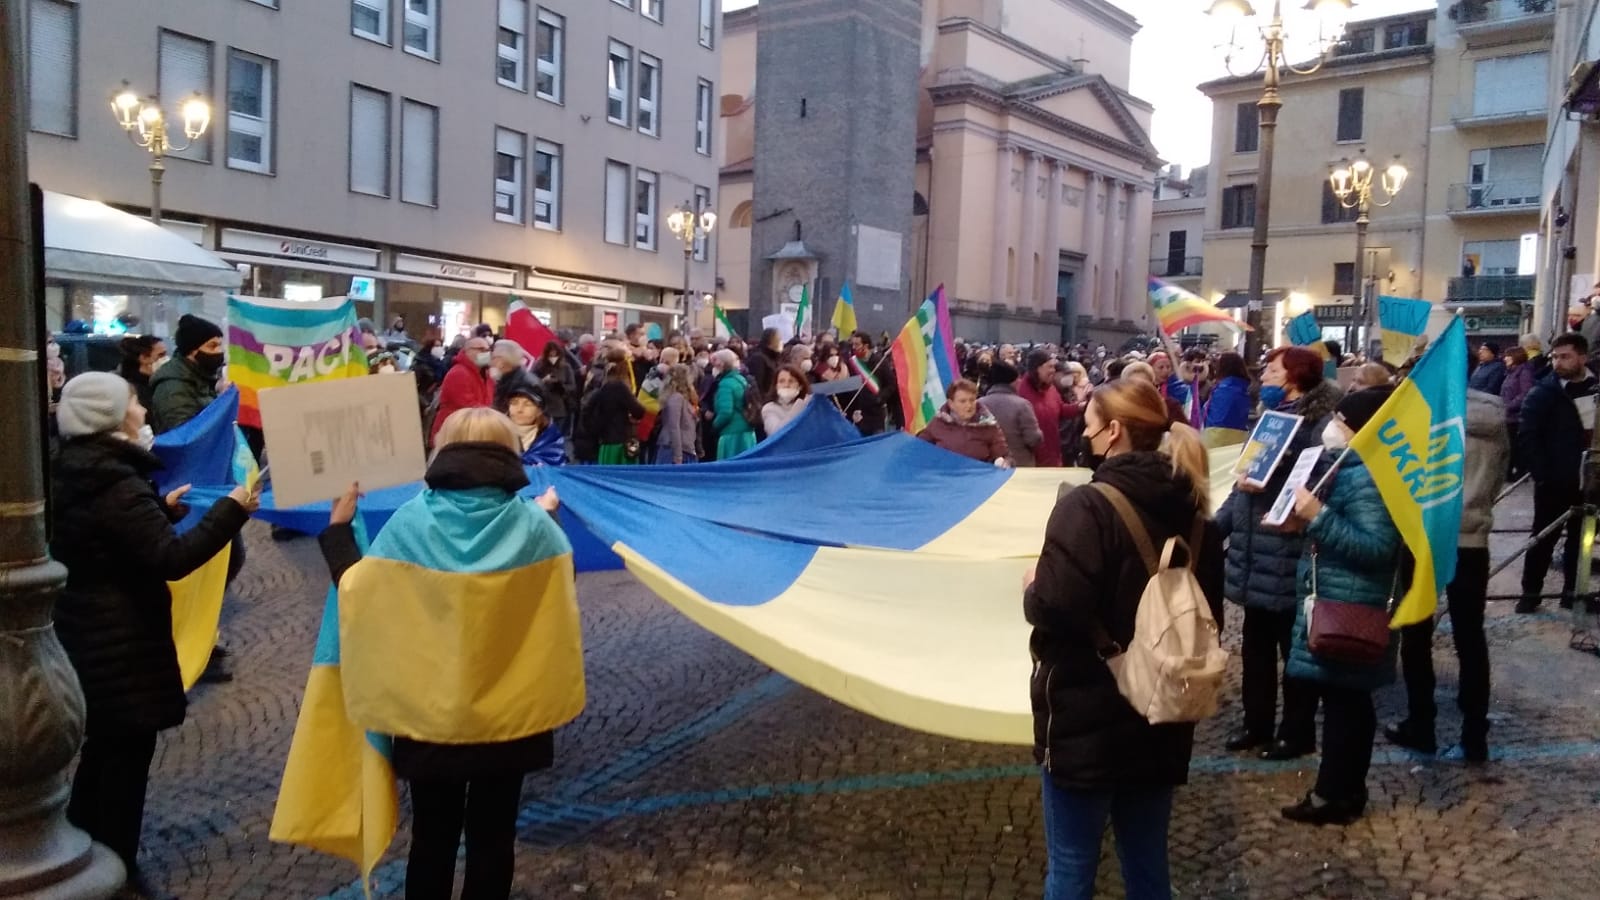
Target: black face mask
pixel 210 363
pixel 1087 458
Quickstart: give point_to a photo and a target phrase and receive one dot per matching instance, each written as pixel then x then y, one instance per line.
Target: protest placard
pixel 1299 476
pixel 1266 446
pixel 322 436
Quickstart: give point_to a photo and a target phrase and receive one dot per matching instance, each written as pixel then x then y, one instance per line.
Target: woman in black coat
pixel 115 535
pixel 1101 759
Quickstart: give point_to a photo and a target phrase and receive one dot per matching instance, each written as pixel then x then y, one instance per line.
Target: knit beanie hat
pixel 1358 408
pixel 194 331
pixel 1002 373
pixel 92 403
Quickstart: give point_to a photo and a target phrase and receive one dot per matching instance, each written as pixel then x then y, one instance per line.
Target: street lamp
pixel 146 126
pixel 690 229
pixel 1330 16
pixel 1352 187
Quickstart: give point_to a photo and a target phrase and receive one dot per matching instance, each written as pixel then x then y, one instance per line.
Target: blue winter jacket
pixel 1229 406
pixel 1358 553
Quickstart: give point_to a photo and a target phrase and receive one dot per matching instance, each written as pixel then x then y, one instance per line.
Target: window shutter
pixel 369 141
pixel 185 70
pixel 419 130
pixel 618 203
pixel 52 67
pixel 514 15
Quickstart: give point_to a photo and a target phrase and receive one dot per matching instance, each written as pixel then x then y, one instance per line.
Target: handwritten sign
pixel 1266 446
pixel 1298 477
pixel 1402 321
pixel 323 436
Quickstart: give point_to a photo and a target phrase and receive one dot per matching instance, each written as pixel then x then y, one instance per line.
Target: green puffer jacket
pixel 1358 550
pixel 178 391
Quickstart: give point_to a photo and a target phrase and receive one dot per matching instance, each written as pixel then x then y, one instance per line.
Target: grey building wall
pixel 836 106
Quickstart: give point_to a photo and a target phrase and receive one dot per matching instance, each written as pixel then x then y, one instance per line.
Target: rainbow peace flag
pixel 925 361
pixel 274 343
pixel 1415 448
pixel 1177 309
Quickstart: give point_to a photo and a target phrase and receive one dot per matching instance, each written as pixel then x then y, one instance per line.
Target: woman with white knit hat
pixel 114 533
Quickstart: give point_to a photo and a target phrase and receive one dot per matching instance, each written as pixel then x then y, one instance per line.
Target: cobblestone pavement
pixel 698 773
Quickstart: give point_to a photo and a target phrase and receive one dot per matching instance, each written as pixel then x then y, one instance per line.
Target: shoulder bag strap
pixel 1130 518
pixel 1196 540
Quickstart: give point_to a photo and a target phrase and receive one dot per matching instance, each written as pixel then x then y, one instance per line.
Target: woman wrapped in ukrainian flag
pixel 459 637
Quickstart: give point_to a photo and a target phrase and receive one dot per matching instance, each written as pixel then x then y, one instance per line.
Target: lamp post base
pixel 90 872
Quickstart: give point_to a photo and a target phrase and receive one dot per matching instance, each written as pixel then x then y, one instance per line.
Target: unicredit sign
pixel 300 248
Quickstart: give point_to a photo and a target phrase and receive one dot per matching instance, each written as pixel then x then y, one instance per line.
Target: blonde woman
pixel 678 440
pixel 467 548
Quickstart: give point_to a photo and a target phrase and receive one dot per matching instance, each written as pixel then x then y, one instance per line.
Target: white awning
pixel 87 240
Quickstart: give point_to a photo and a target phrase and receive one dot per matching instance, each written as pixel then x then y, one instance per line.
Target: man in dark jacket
pixel 115 535
pixel 870 409
pixel 1490 374
pixel 507 370
pixel 187 384
pixel 764 362
pixel 1557 425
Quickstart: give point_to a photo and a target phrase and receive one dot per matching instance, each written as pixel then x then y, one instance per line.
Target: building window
pixel 1510 84
pixel 1358 41
pixel 644 209
pixel 1352 113
pixel 1491 257
pixel 702 202
pixel 512 44
pixel 250 112
pixel 1247 128
pixel 369 141
pixel 422 28
pixel 617 204
pixel 1239 206
pixel 370 19
pixel 419 153
pixel 650 9
pixel 1344 279
pixel 627 3
pixel 702 118
pixel 619 83
pixel 509 147
pixel 1405 34
pixel 1334 212
pixel 649 94
pixel 183 70
pixel 547 185
pixel 53 67
pixel 549 48
pixel 708 22
pixel 270 4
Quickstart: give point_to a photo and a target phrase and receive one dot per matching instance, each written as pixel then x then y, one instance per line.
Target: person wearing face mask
pixel 791 392
pixel 467 384
pixel 1038 387
pixel 115 534
pixel 801 357
pixel 1351 555
pixel 508 370
pixel 183 387
pixel 560 382
pixel 966 427
pixel 831 365
pixel 1261 565
pixel 141 356
pixel 1099 758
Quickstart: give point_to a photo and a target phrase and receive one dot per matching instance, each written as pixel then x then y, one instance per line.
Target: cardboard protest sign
pixel 322 436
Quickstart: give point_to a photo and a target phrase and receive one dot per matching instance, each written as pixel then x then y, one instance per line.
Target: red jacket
pixel 464 387
pixel 1050 410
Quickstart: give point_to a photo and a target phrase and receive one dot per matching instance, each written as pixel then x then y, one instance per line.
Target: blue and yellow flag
pixel 1415 447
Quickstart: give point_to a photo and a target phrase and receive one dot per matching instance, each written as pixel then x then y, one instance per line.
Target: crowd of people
pixel 1142 423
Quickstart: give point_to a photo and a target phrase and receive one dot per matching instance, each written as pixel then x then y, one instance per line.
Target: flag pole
pixel 874 373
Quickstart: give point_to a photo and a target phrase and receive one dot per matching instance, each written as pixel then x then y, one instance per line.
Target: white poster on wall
pixel 878 252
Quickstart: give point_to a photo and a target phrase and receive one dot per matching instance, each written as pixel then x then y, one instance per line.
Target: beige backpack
pixel 1172 669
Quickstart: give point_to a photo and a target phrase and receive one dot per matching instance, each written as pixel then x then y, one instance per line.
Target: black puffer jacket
pixel 1262 559
pixel 115 536
pixel 1085 733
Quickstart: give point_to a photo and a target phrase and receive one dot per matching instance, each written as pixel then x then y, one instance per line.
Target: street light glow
pixel 1232 9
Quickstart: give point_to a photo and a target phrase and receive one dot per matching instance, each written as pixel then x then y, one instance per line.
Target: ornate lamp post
pixel 691 229
pixel 41 704
pixel 1331 15
pixel 1352 187
pixel 146 126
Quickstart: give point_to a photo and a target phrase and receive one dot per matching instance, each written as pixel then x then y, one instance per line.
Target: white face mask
pixel 1334 437
pixel 146 437
pixel 438 351
pixel 805 365
pixel 386 369
pixel 787 395
pixel 482 358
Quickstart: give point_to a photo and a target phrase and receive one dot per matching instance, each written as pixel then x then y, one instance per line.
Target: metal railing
pixel 1490 196
pixel 1176 267
pixel 1505 288
pixel 1486 12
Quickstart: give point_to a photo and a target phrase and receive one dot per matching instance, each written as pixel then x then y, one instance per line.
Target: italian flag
pixel 869 381
pixel 720 323
pixel 805 307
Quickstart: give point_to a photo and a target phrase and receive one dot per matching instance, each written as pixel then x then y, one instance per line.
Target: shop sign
pixel 575 287
pixel 454 270
pixel 1335 313
pixel 298 248
pixel 1493 324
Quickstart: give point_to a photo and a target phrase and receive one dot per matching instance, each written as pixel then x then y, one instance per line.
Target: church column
pixel 1110 253
pixel 1001 227
pixel 1135 265
pixel 1046 289
pixel 1092 229
pixel 1028 245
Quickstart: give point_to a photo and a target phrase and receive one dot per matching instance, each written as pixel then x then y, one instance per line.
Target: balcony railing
pixel 1503 195
pixel 1177 267
pixel 1464 112
pixel 1481 288
pixel 1485 12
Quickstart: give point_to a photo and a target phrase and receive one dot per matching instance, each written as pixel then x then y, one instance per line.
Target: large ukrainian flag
pixel 1415 448
pixel 476 596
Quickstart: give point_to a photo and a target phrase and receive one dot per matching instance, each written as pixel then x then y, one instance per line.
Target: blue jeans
pixel 1075 821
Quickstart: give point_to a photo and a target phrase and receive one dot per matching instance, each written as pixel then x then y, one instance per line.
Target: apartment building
pixel 1458 95
pixel 1031 199
pixel 430 158
pixel 1569 249
pixel 1177 227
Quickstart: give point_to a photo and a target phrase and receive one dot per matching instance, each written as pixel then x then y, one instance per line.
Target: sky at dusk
pixel 1176 51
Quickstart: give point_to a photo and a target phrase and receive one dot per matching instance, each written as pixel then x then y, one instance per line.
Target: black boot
pixel 1528 604
pixel 1313 810
pixel 1245 739
pixel 1412 736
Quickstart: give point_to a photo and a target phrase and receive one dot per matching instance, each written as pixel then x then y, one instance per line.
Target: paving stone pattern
pixel 696 772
